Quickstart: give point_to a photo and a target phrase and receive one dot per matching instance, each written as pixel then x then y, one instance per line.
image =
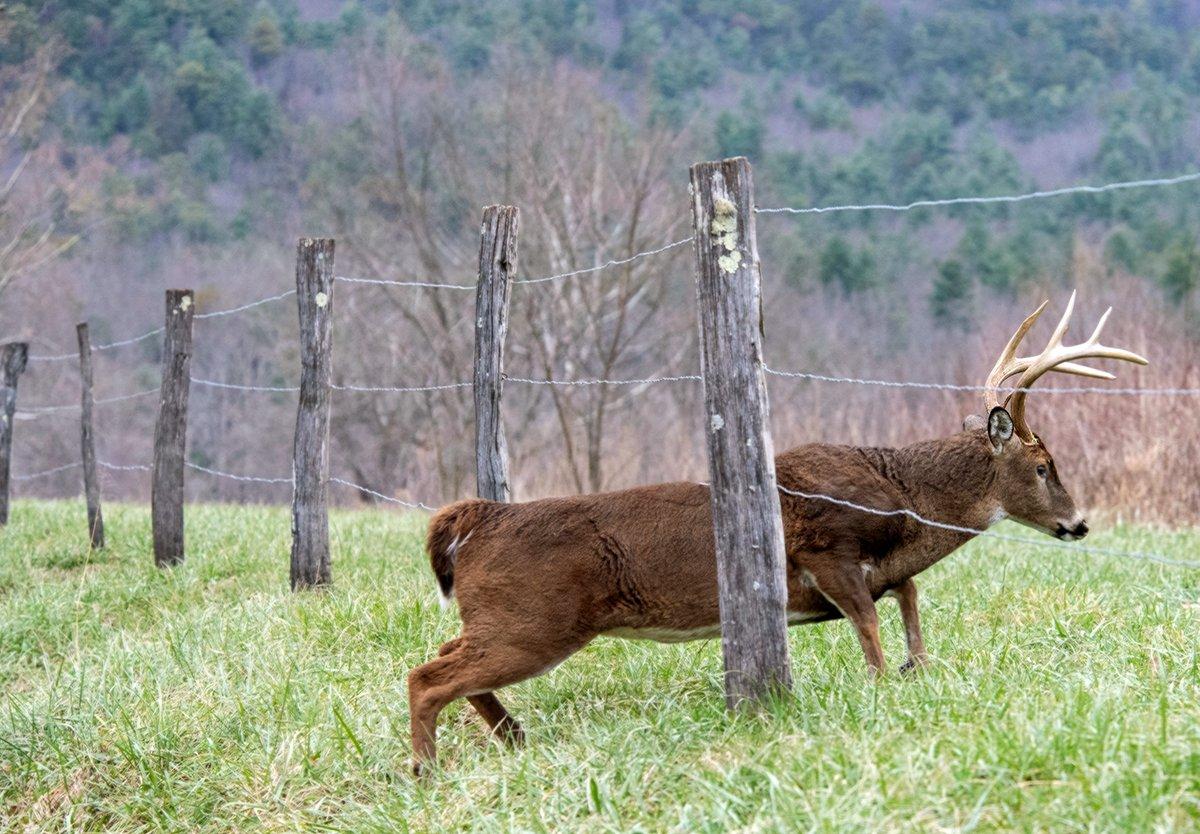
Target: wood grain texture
pixel 87 440
pixel 13 358
pixel 170 431
pixel 497 265
pixel 746 519
pixel 310 564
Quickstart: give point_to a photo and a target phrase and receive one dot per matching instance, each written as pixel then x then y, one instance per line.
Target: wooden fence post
pixel 91 483
pixel 751 569
pixel 170 432
pixel 310 455
pixel 497 264
pixel 13 358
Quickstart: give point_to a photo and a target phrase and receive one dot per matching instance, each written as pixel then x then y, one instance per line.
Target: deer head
pixel 1026 482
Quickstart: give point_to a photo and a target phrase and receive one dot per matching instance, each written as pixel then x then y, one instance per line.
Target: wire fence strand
pixel 117 467
pixel 244 307
pixel 401 389
pixel 212 383
pixel 568 382
pixel 47 472
pixel 943 386
pixel 62 357
pixel 973 531
pixel 607 264
pixel 388 498
pixel 252 479
pixel 384 282
pixel 1007 198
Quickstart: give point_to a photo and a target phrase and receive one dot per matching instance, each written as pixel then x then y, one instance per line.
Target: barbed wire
pixel 117 467
pixel 567 382
pixel 47 472
pixel 403 389
pixel 242 308
pixel 384 282
pixel 212 383
pixel 943 386
pixel 972 531
pixel 244 478
pixel 62 357
pixel 391 500
pixel 107 346
pixel 607 264
pixel 38 410
pixel 1008 198
pixel 540 280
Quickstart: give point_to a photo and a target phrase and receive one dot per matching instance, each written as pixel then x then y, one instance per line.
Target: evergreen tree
pixel 950 299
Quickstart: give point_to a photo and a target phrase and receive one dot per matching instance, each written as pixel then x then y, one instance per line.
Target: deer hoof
pixel 914 665
pixel 510 732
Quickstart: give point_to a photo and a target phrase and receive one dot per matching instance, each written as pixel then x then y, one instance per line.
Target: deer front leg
pixel 844 586
pixel 906 595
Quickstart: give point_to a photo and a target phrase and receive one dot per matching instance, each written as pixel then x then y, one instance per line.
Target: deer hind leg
pixel 489 707
pixel 844 586
pixel 906 595
pixel 473 667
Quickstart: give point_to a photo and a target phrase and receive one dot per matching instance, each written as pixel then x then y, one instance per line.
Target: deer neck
pixel 950 481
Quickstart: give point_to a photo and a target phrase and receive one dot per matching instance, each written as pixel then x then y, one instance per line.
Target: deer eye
pixel 1042 471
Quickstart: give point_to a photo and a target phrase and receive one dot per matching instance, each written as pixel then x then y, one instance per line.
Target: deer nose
pixel 1071 533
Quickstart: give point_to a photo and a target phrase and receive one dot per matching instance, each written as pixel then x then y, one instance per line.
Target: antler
pixel 1054 357
pixel 1008 365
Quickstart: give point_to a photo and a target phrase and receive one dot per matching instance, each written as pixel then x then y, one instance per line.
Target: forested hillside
pixel 191 142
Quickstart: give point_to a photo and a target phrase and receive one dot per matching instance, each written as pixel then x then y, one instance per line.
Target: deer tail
pixel 449 530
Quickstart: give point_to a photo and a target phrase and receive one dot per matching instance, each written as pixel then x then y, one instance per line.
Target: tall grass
pixel 1065 695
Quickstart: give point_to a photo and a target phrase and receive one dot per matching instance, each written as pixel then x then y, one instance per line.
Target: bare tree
pixel 31 206
pixel 595 191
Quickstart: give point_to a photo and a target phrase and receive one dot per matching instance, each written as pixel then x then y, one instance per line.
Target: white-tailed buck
pixel 537 581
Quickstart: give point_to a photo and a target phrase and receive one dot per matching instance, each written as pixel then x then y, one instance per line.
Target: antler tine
pixel 1007 365
pixel 1057 357
pixel 1094 339
pixel 1061 330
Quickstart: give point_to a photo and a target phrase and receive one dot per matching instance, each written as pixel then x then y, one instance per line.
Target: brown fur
pixel 537 581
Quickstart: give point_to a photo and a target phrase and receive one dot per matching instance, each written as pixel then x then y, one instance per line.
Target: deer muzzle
pixel 1071 532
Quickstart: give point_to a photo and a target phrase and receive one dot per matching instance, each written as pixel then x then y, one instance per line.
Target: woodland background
pixel 146 145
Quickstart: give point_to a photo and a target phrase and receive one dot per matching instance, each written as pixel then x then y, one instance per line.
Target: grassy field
pixel 1065 696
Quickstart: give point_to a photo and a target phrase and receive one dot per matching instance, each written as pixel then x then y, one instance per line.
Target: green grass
pixel 1065 696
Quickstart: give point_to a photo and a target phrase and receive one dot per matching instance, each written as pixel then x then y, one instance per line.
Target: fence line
pixel 956 528
pixel 65 356
pixel 117 467
pixel 569 382
pixel 406 389
pixel 387 283
pixel 1009 198
pixel 252 304
pixel 606 264
pixel 47 472
pixel 245 478
pixel 34 412
pixel 321 298
pixel 62 357
pixel 941 386
pixel 391 500
pixel 212 383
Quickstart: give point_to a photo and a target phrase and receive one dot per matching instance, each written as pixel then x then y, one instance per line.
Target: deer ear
pixel 1000 428
pixel 974 422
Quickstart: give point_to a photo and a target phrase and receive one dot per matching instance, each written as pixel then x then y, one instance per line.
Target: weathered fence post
pixel 87 441
pixel 310 454
pixel 751 571
pixel 497 264
pixel 13 358
pixel 170 432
